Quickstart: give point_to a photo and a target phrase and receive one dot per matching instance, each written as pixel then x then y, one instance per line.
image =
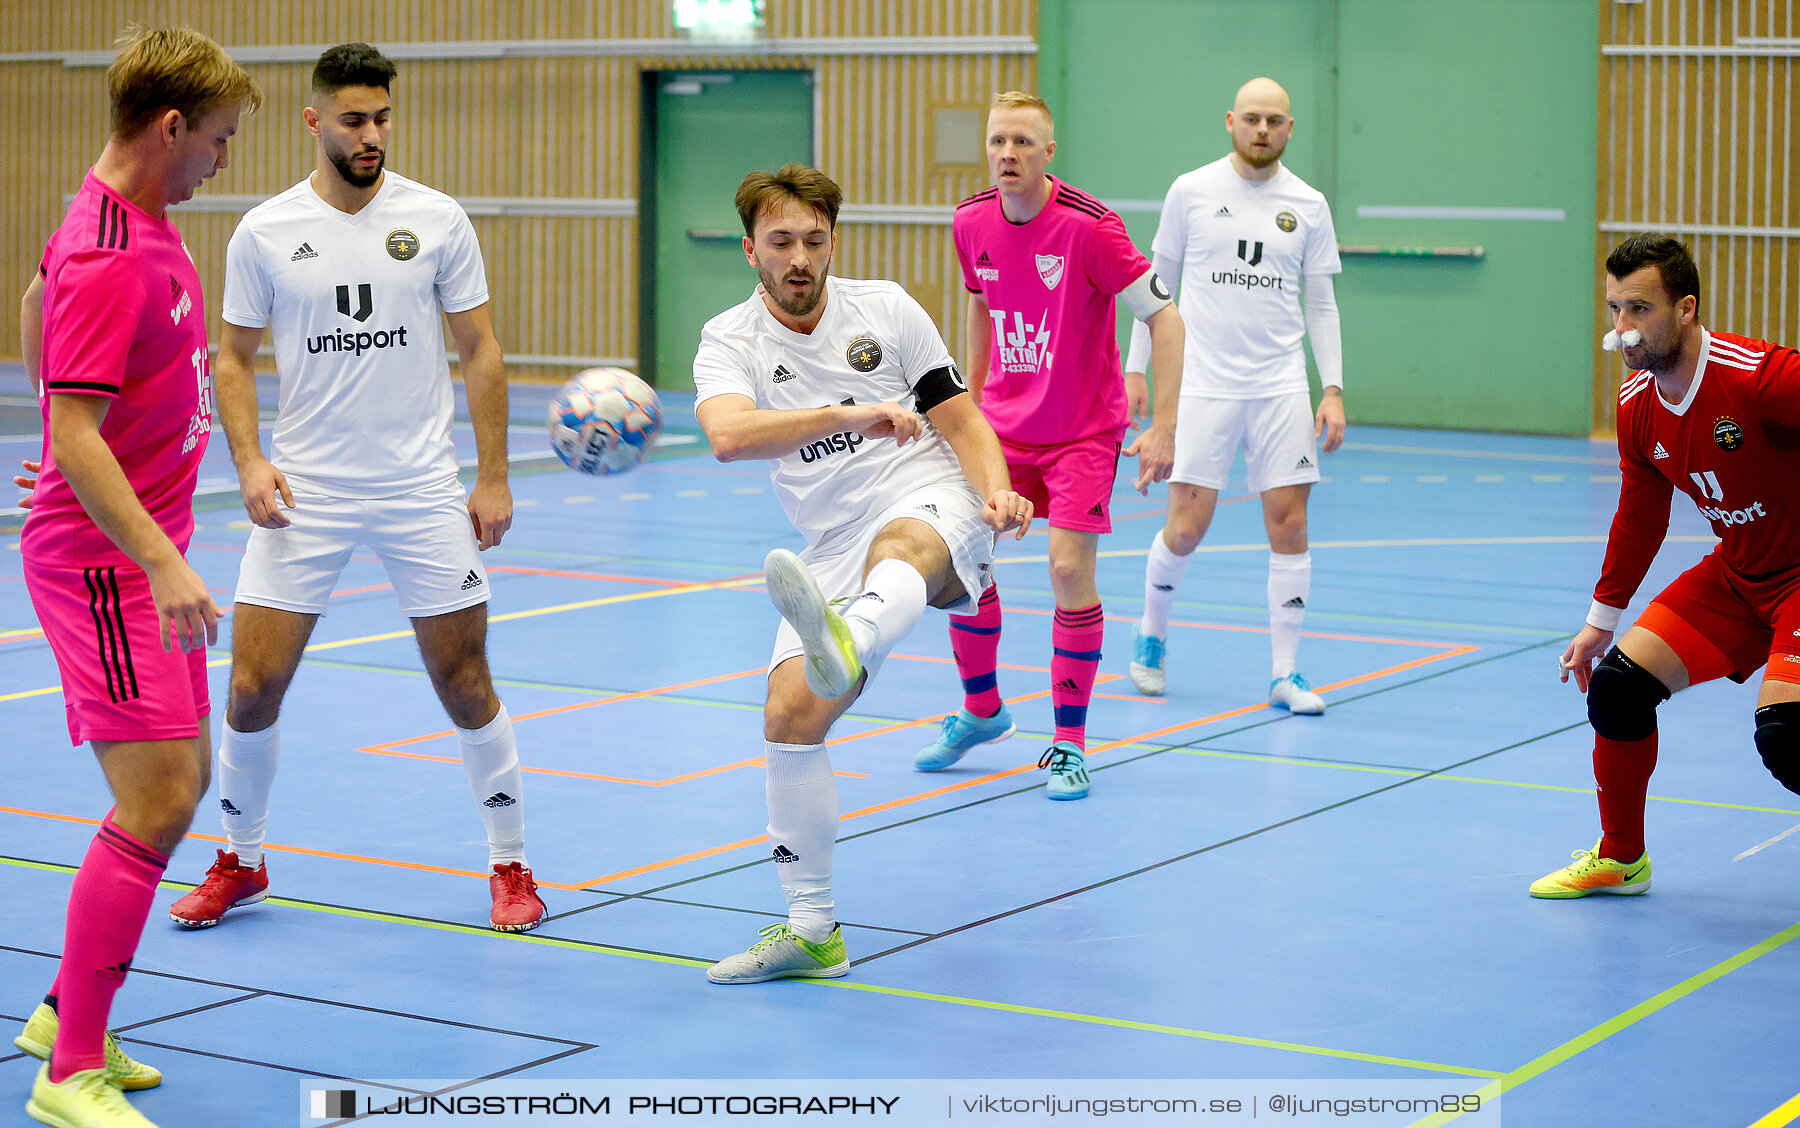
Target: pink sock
pixel 975 640
pixel 1075 636
pixel 108 906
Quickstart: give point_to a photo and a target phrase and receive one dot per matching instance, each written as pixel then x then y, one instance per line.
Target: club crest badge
pixel 864 354
pixel 1050 269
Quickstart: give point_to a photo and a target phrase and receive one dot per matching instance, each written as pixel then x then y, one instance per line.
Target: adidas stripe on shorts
pixel 1068 484
pixel 1276 433
pixel 954 513
pixel 118 682
pixel 424 540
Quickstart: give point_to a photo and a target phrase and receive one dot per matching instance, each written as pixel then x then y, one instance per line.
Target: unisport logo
pixel 1729 517
pixel 834 444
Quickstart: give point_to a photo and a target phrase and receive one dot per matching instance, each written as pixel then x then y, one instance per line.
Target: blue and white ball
pixel 604 420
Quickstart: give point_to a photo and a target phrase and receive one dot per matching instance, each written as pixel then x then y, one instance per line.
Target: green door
pixel 708 129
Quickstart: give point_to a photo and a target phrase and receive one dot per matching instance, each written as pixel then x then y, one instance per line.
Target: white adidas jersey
pixel 872 344
pixel 355 306
pixel 1244 246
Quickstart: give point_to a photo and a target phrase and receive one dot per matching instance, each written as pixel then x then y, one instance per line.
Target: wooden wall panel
pixel 542 128
pixel 1697 136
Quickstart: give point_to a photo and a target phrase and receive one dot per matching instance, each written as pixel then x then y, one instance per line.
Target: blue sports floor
pixel 1245 894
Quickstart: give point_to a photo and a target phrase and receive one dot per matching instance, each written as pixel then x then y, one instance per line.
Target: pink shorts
pixel 118 683
pixel 1070 483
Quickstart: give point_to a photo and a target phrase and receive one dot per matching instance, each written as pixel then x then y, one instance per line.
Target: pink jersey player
pixel 125 320
pixel 1049 286
pixel 113 332
pixel 1044 265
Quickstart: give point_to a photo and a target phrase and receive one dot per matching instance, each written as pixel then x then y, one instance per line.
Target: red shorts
pixel 1069 483
pixel 118 682
pixel 1725 625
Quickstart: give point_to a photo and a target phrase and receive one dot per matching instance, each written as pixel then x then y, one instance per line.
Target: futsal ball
pixel 603 421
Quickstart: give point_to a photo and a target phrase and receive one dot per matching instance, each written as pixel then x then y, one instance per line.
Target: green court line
pixel 1592 1037
pixel 1415 773
pixel 1157 1028
pixel 846 985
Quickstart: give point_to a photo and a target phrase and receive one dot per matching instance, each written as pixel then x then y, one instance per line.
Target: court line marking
pixel 1764 845
pixel 279 847
pixel 1406 542
pixel 990 777
pixel 1379 770
pixel 1777 1118
pixel 1594 1035
pixel 378 917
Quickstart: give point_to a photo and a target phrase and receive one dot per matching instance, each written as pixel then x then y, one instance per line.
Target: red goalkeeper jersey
pixel 1732 446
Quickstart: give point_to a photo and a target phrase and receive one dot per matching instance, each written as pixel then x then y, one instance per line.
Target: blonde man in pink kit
pixel 126 395
pixel 1044 264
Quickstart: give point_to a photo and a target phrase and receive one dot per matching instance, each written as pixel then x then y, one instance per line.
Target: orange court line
pixel 516 571
pixel 1453 652
pixel 652 867
pixel 730 846
pixel 294 849
pixel 1245 630
pixel 386 748
pixel 606 778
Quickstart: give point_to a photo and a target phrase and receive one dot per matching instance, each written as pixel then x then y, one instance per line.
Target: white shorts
pixel 953 512
pixel 1276 433
pixel 425 540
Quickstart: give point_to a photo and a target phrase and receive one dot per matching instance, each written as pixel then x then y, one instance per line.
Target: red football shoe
pixel 227 886
pixel 517 906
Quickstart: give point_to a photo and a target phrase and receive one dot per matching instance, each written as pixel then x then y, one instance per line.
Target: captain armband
pixel 1146 295
pixel 938 385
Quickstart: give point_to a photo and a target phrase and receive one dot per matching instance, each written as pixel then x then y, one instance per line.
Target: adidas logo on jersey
pixel 305 252
pixel 782 374
pixel 471 580
pixel 1659 452
pixel 1296 603
pixel 784 855
pixel 498 799
pixel 1223 212
pixel 1305 463
pixel 984 268
pixel 927 507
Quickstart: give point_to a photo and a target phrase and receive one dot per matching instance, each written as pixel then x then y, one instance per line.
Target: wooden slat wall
pixel 529 127
pixel 1708 141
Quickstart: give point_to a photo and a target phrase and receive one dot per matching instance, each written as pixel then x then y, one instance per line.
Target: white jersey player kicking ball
pixel 353 270
pixel 828 379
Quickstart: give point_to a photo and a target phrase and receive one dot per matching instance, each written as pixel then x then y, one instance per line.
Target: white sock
pixel 247 763
pixel 1162 575
pixel 803 823
pixel 490 758
pixel 892 599
pixel 1290 582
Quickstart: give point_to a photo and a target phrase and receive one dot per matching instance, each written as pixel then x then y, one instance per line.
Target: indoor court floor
pixel 1245 895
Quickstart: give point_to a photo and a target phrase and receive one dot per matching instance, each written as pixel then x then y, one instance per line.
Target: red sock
pixel 975 640
pixel 1075 636
pixel 108 906
pixel 1622 769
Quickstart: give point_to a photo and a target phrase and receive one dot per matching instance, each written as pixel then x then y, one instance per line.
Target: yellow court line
pixel 1593 1036
pixel 711 585
pixel 1776 1118
pixel 1412 542
pixel 629 597
pixel 1418 774
pixel 839 984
